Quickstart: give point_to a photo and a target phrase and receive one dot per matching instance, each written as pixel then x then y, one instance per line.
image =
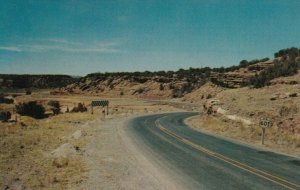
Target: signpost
pixel 264 123
pixel 103 103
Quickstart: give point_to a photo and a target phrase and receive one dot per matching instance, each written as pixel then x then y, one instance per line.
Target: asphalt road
pixel 208 162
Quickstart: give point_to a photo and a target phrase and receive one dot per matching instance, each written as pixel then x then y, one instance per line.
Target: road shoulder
pixel 114 161
pixel 208 128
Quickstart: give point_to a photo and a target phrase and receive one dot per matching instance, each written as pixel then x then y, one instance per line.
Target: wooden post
pixel 92 109
pixel 103 113
pixel 107 109
pixel 15 113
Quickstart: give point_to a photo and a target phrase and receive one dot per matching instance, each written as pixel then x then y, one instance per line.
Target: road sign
pixel 103 103
pixel 100 103
pixel 264 123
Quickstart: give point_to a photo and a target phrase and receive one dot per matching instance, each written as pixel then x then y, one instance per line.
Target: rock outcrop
pixel 240 77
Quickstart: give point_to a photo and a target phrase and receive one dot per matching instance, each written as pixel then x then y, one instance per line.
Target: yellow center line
pixel 260 173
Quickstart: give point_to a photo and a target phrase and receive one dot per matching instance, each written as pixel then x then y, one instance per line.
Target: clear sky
pixel 78 37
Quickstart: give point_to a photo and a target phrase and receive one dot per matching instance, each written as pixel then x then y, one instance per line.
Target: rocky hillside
pixel 242 76
pixel 145 85
pixel 164 84
pixel 35 81
pixel 256 73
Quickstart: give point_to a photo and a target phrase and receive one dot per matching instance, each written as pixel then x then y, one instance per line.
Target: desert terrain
pixel 51 140
pixel 59 152
pixel 82 150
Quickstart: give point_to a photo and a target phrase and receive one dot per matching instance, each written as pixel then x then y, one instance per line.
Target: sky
pixel 78 37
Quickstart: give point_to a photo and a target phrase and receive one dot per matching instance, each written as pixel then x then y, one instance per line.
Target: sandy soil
pixel 84 151
pixel 114 162
pixel 237 113
pixel 276 139
pixel 75 150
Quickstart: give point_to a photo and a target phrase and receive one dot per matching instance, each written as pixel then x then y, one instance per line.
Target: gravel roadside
pixel 114 162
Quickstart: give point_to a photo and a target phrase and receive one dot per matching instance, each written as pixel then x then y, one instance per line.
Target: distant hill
pixel 256 73
pixel 165 84
pixel 35 81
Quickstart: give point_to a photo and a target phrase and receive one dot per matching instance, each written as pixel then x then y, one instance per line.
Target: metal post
pixel 263 136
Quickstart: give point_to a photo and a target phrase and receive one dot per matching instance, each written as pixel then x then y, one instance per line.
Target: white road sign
pixel 264 123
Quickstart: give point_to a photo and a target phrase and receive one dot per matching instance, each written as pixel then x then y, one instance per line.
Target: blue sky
pixel 78 37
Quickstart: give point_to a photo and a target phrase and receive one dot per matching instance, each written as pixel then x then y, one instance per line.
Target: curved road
pixel 208 162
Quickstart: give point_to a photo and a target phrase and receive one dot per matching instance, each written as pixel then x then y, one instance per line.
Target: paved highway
pixel 208 162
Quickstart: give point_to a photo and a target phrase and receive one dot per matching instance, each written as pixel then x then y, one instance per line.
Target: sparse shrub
pixel 140 90
pixel 171 86
pixel 55 106
pixel 186 88
pixel 31 109
pixel 177 93
pixel 80 108
pixel 109 81
pixel 5 115
pixel 161 87
pixel 121 93
pixel 28 91
pixel 280 69
pixel 286 110
pixel 84 87
pixel 60 162
pixel 209 96
pixel 5 100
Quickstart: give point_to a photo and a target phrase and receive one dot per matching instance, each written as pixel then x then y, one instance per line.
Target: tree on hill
pixel 55 106
pixel 292 52
pixel 283 68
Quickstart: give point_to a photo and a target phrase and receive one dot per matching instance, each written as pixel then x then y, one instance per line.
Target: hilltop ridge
pixel 176 84
pixel 34 81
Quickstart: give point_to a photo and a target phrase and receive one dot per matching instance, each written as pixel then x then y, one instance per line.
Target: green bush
pixel 285 110
pixel 140 90
pixel 161 87
pixel 291 52
pixel 28 91
pixel 5 100
pixel 55 106
pixel 31 109
pixel 4 115
pixel 80 108
pixel 280 69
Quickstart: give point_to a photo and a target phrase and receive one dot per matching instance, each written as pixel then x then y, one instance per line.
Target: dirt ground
pixel 237 112
pixel 88 151
pixel 55 152
pixel 115 163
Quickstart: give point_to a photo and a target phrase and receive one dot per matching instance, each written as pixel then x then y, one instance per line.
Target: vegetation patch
pixel 31 109
pixel 287 66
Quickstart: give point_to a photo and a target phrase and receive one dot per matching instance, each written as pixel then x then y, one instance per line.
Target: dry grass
pixel 278 102
pixel 245 101
pixel 25 159
pixel 24 152
pixel 275 138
